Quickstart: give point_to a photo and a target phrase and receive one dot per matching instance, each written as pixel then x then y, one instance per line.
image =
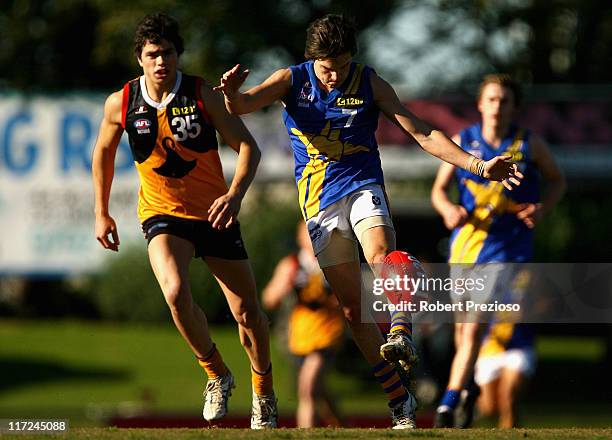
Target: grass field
pixel 324 433
pixel 87 372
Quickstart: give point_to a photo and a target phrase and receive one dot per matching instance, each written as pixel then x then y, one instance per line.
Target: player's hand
pixel 455 216
pixel 105 226
pixel 502 169
pixel 231 81
pixel 223 212
pixel 530 213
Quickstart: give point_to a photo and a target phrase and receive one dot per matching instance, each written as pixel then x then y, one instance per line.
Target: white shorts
pixel 335 230
pixel 489 368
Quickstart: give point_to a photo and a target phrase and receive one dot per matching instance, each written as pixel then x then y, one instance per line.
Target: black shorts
pixel 208 242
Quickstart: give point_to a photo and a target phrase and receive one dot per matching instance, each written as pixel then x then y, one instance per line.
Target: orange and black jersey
pixel 174 146
pixel 316 322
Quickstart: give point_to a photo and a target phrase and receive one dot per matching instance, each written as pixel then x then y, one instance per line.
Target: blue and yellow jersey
pixel 504 333
pixel 332 135
pixel 502 336
pixel 492 232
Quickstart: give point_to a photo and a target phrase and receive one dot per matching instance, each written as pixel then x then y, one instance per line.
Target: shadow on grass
pixel 20 372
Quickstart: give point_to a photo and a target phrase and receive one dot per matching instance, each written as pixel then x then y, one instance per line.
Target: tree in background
pixel 444 44
pixel 86 44
pixel 79 44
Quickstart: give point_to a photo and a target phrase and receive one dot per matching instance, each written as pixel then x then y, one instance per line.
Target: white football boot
pixel 264 413
pixel 216 395
pixel 403 415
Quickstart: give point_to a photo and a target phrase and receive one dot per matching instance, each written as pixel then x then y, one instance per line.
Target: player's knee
pixel 377 256
pixel 177 295
pixel 250 315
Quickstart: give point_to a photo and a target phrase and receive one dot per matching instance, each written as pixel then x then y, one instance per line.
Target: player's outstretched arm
pixel 275 87
pixel 532 213
pixel 103 170
pixel 437 143
pixel 224 210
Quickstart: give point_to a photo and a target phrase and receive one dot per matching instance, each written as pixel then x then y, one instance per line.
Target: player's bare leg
pixel 345 282
pixel 309 389
pixel 170 257
pixel 236 279
pixel 511 385
pixel 377 243
pixel 462 369
pixel 488 399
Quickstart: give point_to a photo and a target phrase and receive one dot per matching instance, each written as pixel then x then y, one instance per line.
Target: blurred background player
pixel 491 224
pixel 184 204
pixel 506 361
pixel 315 329
pixel 332 105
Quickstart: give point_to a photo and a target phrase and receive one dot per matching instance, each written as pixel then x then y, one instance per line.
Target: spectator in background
pixel 315 328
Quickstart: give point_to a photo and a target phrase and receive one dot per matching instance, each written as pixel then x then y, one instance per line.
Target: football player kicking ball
pixel 331 112
pixel 184 204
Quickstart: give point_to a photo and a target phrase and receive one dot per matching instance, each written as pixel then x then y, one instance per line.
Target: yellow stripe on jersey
pixel 497 339
pixel 489 200
pixel 516 145
pixel 471 237
pixel 310 184
pixel 321 149
pixel 354 79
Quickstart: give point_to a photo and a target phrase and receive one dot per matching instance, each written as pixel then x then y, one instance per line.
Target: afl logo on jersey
pixel 142 126
pixel 306 96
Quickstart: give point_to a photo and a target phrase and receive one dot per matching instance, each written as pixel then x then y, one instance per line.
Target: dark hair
pixel 503 80
pixel 329 37
pixel 156 27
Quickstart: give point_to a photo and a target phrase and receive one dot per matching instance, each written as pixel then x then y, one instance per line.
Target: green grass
pixel 324 433
pixel 94 368
pixel 568 347
pixel 87 371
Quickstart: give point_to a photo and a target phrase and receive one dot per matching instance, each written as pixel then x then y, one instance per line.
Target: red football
pixel 402 265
